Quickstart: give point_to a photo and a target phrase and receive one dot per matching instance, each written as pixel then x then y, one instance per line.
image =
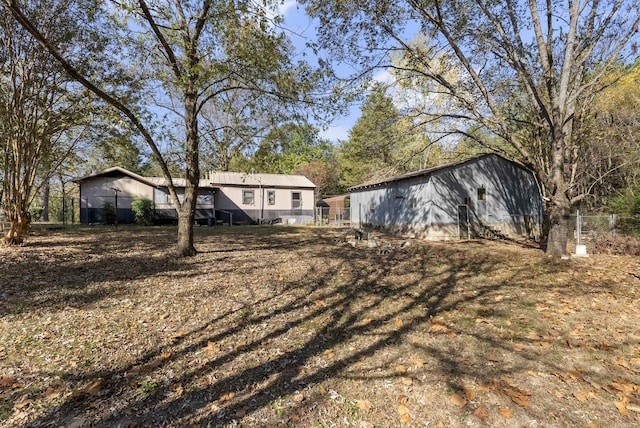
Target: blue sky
pixel 302 31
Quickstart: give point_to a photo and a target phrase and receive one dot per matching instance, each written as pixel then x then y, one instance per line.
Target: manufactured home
pixel 481 196
pixel 233 198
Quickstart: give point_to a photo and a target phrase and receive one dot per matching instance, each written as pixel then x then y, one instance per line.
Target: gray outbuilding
pixel 487 195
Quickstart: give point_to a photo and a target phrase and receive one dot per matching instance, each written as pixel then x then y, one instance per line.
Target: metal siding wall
pixel 510 192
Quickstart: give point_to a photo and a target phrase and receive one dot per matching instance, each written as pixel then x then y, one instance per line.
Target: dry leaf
pixel 458 399
pixel 469 393
pixel 481 412
pixel 398 322
pixel 483 320
pixel 7 382
pixel 506 412
pixel 401 369
pixel 439 328
pixel 582 396
pixel 366 321
pixel 178 335
pixel 92 388
pixel 227 397
pixel 54 392
pixel 484 387
pixel 406 418
pixel 22 404
pixel 364 405
pixel 403 410
pixel 178 390
pixel 494 358
pixel 517 396
pixel 407 381
pixel 329 353
pixel 402 399
pixel 417 361
pixel 622 406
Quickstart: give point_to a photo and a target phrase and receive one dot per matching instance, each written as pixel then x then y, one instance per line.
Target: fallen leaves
pixel 405 413
pixel 364 405
pixel 458 399
pixel 9 382
pixel 92 388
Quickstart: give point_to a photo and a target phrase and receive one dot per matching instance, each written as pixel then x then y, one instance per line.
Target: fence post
pixel 612 224
pixel 578 227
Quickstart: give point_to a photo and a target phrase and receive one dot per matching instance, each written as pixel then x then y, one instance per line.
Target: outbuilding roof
pixel 420 173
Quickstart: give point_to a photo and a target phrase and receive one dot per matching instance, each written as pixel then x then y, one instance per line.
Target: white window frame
pixel 246 193
pixel 299 200
pixel 271 197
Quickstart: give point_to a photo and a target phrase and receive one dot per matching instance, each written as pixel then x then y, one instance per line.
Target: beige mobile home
pixel 228 197
pixel 256 198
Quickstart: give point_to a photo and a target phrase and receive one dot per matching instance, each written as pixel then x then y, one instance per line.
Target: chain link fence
pixel 333 216
pixel 590 228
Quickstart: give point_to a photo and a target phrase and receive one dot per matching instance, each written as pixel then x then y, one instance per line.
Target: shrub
pixel 143 211
pixel 36 213
pixel 108 213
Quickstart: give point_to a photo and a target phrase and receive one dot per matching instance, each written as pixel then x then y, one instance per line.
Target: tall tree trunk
pixel 559 216
pixel 560 202
pixel 187 212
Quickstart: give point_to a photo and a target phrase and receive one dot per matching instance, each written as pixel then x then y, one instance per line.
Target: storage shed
pixel 486 195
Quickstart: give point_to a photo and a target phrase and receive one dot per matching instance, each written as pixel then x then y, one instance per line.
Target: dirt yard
pixel 279 326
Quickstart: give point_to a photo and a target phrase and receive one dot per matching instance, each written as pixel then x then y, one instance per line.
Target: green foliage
pixel 627 203
pixel 36 213
pixel 376 142
pixel 147 386
pixel 108 214
pixel 288 147
pixel 143 211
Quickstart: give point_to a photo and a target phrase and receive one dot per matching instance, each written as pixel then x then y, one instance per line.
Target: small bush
pixel 143 211
pixel 108 214
pixel 36 213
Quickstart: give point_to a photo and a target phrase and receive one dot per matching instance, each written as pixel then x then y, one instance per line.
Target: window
pixel 413 204
pixel 482 194
pixel 247 197
pixel 296 200
pixel 271 197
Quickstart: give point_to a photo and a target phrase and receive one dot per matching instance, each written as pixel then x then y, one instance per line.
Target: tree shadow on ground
pixel 351 305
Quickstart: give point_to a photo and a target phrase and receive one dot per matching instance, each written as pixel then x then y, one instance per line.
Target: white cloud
pixel 383 76
pixel 286 6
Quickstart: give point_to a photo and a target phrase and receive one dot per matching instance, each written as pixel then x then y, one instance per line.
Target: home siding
pixel 165 210
pixel 229 200
pixel 98 191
